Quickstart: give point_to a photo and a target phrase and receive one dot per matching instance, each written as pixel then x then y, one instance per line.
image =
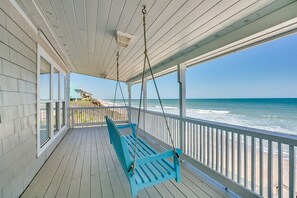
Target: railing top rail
pixel 257 133
pixel 102 107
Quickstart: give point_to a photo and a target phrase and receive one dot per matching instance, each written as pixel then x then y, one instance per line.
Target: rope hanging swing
pixel 118 84
pixel 146 59
pixel 142 164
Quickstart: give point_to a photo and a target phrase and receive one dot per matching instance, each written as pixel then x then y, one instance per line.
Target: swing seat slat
pixel 152 167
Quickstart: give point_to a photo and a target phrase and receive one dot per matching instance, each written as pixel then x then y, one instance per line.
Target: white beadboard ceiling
pixel 178 31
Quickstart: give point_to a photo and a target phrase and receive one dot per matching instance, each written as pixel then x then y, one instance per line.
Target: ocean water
pixel 279 115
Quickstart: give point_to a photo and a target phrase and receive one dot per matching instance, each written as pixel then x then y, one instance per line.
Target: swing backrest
pixel 119 143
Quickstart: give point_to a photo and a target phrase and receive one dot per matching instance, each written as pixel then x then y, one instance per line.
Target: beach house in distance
pixel 46 150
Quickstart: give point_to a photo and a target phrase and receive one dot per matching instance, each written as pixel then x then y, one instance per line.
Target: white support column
pixel 144 100
pixel 129 101
pixel 182 100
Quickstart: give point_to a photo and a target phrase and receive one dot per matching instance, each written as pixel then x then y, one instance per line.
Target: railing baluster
pixel 212 148
pixel 245 161
pixel 200 132
pixel 80 115
pixel 227 154
pixel 221 171
pixel 208 145
pixel 72 117
pixel 232 159
pixel 292 172
pixel 238 159
pixel 204 149
pixel 253 165
pixel 217 150
pixel 187 137
pixel 193 140
pixel 270 169
pixel 261 167
pixel 196 143
pixel 280 171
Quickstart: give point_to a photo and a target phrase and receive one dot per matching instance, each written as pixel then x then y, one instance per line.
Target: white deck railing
pixel 263 162
pixel 249 161
pixel 91 116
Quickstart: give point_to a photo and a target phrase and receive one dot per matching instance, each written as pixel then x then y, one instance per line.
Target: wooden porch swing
pixel 142 164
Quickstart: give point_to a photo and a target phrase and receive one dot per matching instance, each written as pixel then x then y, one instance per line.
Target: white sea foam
pixel 209 111
pixel 167 107
pixel 105 103
pixel 269 116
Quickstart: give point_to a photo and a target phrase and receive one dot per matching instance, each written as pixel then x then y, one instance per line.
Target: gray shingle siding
pixel 18 118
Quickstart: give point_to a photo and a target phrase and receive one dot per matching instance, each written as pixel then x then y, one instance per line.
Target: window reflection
pixel 62 87
pixel 45 79
pixel 44 122
pixel 56 84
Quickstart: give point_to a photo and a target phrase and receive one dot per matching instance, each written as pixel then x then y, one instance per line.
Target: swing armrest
pixel 133 126
pixel 126 126
pixel 158 156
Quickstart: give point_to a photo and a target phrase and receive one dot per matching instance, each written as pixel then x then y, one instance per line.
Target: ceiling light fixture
pixel 123 39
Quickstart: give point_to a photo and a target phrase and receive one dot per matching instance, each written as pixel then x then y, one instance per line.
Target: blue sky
pixel 265 71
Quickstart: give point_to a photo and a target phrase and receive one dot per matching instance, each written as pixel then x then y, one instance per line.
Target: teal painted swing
pixel 151 167
pixel 142 164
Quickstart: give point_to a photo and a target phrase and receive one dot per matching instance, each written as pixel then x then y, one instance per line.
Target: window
pixel 56 84
pixel 51 100
pixel 62 87
pixel 44 122
pixel 45 87
pixel 45 80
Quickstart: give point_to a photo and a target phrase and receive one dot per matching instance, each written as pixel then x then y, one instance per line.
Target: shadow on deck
pixel 85 165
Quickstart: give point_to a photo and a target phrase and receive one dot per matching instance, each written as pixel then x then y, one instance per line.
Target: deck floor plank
pixel 104 176
pixel 76 177
pixel 67 177
pixel 164 192
pixel 53 162
pixel 35 183
pixel 85 184
pixel 201 185
pixel 114 179
pixel 54 185
pixel 96 190
pixel 85 165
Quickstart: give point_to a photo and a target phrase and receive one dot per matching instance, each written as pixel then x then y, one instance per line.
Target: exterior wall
pixel 18 127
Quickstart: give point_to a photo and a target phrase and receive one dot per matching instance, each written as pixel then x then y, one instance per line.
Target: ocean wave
pixel 269 116
pixel 166 107
pixel 202 111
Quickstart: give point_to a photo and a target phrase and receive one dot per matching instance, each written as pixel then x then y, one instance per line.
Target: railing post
pixel 129 102
pixel 182 101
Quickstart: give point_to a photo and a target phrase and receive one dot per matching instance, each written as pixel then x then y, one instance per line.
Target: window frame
pixel 52 134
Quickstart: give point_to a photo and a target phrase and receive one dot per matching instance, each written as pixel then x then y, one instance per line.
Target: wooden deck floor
pixel 85 165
